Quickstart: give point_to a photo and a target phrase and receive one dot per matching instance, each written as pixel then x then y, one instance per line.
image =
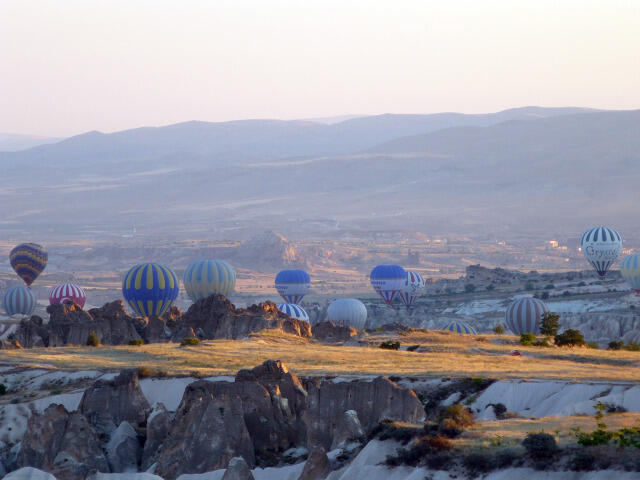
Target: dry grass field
pixel 440 354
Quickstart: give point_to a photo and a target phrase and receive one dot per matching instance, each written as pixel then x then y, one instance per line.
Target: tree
pixel 469 287
pixel 498 329
pixel 550 324
pixel 570 338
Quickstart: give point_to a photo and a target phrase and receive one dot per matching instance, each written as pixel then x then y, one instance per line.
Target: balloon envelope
pixel 524 315
pixel 413 288
pixel 67 291
pixel 348 312
pixel 601 246
pixel 150 289
pixel 292 285
pixel 294 311
pixel 206 277
pixel 460 327
pixel 28 260
pixel 630 270
pixel 19 301
pixel 388 280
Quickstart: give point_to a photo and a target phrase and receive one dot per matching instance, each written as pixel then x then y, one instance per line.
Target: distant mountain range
pixel 529 169
pixel 11 142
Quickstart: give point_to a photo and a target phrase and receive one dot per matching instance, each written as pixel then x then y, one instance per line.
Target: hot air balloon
pixel 206 277
pixel 67 291
pixel 347 312
pixel 388 280
pixel 413 288
pixel 524 315
pixel 601 246
pixel 292 285
pixel 150 289
pixel 630 270
pixel 28 260
pixel 460 327
pixel 294 311
pixel 19 301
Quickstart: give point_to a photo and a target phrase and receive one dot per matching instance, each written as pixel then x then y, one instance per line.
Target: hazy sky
pixel 71 66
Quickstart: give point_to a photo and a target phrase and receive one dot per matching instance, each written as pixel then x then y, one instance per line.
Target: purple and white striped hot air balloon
pixel 67 292
pixel 524 315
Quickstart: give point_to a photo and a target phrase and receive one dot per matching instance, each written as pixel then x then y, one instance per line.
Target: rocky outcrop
pixel 238 470
pixel 329 332
pixel 32 333
pixel 317 466
pixel 62 443
pixel 372 401
pixel 123 449
pixel 116 326
pixel 208 431
pixel 158 425
pixel 217 317
pixel 108 403
pixel 348 429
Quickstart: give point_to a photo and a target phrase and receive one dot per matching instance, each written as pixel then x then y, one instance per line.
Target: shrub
pixel 490 287
pixel 144 372
pixel 615 345
pixel 420 448
pixel 469 288
pixel 93 340
pixel 544 295
pixel 529 286
pixel 633 347
pixel 189 341
pixel 582 284
pixel 136 341
pixel 582 461
pixel 549 286
pixel 412 348
pixel 478 462
pixel 499 410
pixel 550 324
pixel 454 419
pixel 570 338
pixel 498 329
pixel 401 432
pixel 390 345
pixel 506 457
pixel 439 461
pixel 566 293
pixel 593 345
pixel 541 343
pixel 3 389
pixel 527 339
pixel 540 446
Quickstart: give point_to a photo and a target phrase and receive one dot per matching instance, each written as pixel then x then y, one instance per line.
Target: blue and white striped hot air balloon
pixel 348 312
pixel 524 315
pixel 630 270
pixel 388 280
pixel 601 246
pixel 413 288
pixel 150 289
pixel 294 311
pixel 19 301
pixel 292 285
pixel 460 327
pixel 206 277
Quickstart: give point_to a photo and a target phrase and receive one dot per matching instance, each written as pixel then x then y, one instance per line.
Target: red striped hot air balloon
pixel 67 292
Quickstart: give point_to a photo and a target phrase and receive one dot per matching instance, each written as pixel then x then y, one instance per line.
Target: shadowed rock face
pixel 264 412
pixel 329 332
pixel 372 401
pixel 217 317
pixel 209 318
pixel 107 403
pixel 62 443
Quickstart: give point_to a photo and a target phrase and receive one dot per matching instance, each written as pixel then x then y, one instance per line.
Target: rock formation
pixel 329 332
pixel 108 403
pixel 238 470
pixel 62 443
pixel 217 317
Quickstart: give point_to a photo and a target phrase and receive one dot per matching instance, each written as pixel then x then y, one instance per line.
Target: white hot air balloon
pixel 348 312
pixel 413 288
pixel 630 270
pixel 601 246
